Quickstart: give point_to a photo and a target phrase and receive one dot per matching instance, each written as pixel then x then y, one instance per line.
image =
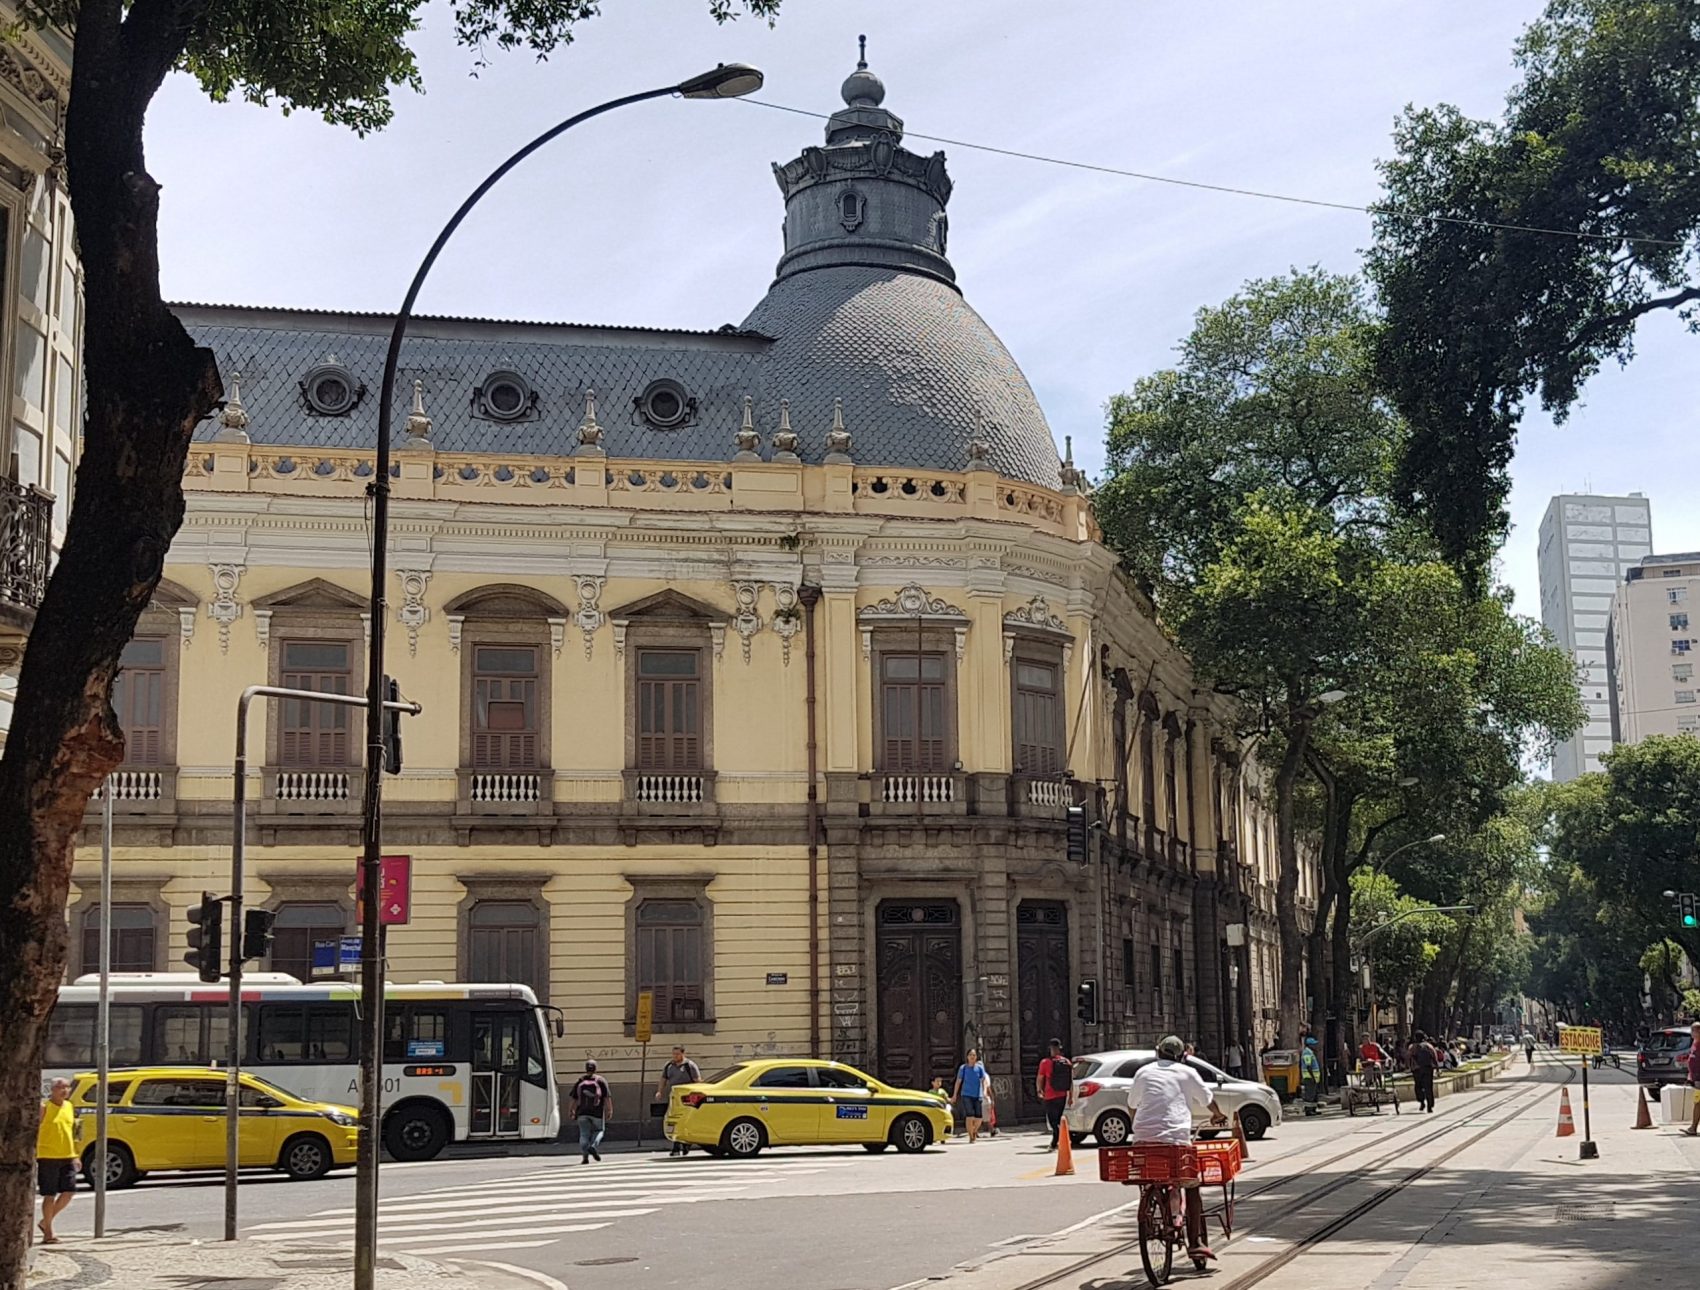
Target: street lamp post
pixel 729 80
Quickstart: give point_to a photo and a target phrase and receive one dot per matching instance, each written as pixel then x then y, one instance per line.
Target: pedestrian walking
pixel 989 1101
pixel 1693 1129
pixel 592 1102
pixel 1235 1059
pixel 969 1094
pixel 1310 1077
pixel 56 1156
pixel 1055 1086
pixel 1422 1059
pixel 1529 1049
pixel 681 1070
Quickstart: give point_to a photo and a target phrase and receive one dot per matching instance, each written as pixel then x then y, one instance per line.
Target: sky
pixel 665 214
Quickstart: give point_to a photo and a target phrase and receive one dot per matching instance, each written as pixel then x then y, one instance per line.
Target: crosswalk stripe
pixel 512 1231
pixel 578 1182
pixel 529 1205
pixel 562 1196
pixel 486 1245
pixel 480 1231
pixel 388 1222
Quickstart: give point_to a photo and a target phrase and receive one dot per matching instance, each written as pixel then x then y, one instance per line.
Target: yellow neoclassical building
pixel 760 668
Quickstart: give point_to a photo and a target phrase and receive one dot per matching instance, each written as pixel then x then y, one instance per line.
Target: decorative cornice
pixel 911 602
pixel 1036 615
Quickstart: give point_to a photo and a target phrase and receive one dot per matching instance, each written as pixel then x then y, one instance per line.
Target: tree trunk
pixel 1287 888
pixel 147 387
pixel 1342 983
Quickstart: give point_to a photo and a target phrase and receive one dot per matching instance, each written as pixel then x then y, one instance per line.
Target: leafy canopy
pixel 1597 147
pixel 341 58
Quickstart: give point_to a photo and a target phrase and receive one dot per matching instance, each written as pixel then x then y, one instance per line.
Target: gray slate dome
pixel 920 373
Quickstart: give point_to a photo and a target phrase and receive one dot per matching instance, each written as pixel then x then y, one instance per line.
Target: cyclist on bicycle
pixel 1164 1095
pixel 1373 1059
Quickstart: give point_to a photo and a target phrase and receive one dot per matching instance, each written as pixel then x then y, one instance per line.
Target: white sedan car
pixel 1102 1082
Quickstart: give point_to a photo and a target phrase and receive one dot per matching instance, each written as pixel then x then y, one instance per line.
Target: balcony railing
pixel 504 786
pixel 1047 792
pixel 312 786
pixel 917 790
pixel 134 786
pixel 26 514
pixel 675 788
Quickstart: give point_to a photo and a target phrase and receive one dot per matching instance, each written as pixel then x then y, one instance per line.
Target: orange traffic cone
pixel 1643 1120
pixel 1239 1137
pixel 1065 1155
pixel 1566 1125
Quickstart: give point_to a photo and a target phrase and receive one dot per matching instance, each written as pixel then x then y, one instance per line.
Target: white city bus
pixel 461 1062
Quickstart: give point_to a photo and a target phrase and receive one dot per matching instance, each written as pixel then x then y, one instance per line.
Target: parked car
pixel 1102 1081
pixel 1663 1057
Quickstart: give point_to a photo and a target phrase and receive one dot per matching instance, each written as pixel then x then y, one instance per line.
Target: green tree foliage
pixel 1584 956
pixel 1596 152
pixel 1403 953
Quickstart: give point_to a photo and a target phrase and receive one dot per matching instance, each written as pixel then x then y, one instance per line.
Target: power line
pixel 1242 192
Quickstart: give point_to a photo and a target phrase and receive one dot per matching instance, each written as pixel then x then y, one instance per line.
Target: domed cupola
pixel 864 199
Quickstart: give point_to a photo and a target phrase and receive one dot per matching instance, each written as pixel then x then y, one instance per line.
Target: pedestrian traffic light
pixel 1077 849
pixel 206 938
pixel 257 933
pixel 1688 909
pixel 1086 1002
pixel 392 727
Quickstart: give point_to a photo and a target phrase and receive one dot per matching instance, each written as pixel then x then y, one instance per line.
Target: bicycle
pixel 1162 1172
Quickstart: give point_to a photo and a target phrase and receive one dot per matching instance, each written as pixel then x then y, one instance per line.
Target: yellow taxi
pixel 793 1102
pixel 172 1117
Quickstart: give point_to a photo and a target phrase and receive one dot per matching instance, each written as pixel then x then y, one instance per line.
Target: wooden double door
pixel 918 958
pixel 1042 990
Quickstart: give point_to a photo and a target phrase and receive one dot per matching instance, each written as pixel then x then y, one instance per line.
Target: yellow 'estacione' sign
pixel 1580 1039
pixel 645 1016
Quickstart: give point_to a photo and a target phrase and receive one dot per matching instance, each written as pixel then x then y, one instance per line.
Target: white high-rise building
pixel 1652 649
pixel 1588 545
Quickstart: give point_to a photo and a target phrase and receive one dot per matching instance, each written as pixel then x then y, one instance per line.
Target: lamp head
pixel 1438 837
pixel 1330 696
pixel 727 81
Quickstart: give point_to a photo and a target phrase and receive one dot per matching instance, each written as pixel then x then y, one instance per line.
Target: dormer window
pixel 330 389
pixel 851 208
pixel 665 404
pixel 505 396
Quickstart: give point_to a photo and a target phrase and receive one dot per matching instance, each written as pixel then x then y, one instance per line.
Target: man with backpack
pixel 592 1102
pixel 681 1070
pixel 1055 1086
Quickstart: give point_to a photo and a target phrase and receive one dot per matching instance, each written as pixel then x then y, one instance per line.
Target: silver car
pixel 1102 1081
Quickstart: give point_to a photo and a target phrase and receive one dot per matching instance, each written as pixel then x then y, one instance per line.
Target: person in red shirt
pixel 1055 1086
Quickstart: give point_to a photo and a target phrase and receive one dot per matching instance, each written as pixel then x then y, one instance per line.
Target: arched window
pixel 299 924
pixel 503 938
pixel 132 939
pixel 851 208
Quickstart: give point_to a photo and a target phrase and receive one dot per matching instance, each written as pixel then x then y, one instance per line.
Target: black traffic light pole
pixel 238 853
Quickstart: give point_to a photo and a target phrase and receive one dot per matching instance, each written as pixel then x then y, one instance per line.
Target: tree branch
pixel 1594 330
pixel 152 39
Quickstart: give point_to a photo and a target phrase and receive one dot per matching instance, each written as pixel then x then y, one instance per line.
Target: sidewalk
pixel 142 1261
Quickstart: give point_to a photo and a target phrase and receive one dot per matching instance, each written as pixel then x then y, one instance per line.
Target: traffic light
pixel 206 938
pixel 1077 848
pixel 392 727
pixel 1086 1002
pixel 1688 909
pixel 257 933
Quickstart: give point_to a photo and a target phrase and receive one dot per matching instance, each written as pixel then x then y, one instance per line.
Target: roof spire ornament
pixel 785 439
pixel 589 432
pixel 861 53
pixel 418 424
pixel 748 438
pixel 837 438
pixel 233 417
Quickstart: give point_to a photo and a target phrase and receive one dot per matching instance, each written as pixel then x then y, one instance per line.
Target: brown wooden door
pixel 919 965
pixel 1042 985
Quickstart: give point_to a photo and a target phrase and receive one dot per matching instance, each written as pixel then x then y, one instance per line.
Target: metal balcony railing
pixel 26 514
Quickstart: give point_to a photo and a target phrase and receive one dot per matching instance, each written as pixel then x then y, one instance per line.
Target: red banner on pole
pixel 396 887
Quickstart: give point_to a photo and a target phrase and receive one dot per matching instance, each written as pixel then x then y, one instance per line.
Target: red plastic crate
pixel 1218 1161
pixel 1148 1162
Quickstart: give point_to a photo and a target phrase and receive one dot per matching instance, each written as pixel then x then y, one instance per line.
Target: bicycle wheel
pixel 1156 1234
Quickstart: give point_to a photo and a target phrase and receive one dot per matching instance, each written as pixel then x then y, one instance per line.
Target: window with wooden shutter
pixel 315 734
pixel 301 923
pixel 1171 788
pixel 670 958
pixel 132 939
pixel 914 710
pixel 504 707
pixel 503 938
pixel 138 697
pixel 669 709
pixel 1038 718
pixel 1148 771
pixel 1156 977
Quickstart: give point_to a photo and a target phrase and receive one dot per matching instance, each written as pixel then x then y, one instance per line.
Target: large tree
pixel 1516 256
pixel 1248 490
pixel 147 387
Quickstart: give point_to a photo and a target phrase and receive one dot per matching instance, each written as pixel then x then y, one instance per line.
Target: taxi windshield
pixel 270 1085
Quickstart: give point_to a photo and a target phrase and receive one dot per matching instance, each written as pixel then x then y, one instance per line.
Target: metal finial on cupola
pixel 748 438
pixel 418 425
pixel 837 438
pixel 785 439
pixel 233 417
pixel 589 431
pixel 861 53
pixel 1071 478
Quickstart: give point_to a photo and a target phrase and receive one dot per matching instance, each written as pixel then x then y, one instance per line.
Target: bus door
pixel 498 1061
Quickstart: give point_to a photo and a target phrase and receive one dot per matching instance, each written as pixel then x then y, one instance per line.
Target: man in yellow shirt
pixel 56 1156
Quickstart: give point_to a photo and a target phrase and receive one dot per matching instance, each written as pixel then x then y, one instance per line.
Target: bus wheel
pixel 305 1157
pixel 415 1132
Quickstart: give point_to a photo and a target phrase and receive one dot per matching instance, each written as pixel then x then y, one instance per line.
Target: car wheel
pixel 305 1157
pixel 1112 1129
pixel 743 1139
pixel 1254 1122
pixel 875 1146
pixel 911 1133
pixel 121 1168
pixel 415 1133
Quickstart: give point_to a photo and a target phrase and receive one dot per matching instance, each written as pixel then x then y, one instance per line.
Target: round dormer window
pixel 506 396
pixel 330 389
pixel 664 404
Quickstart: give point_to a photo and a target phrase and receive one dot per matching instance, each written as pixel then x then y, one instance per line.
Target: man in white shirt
pixel 1164 1096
